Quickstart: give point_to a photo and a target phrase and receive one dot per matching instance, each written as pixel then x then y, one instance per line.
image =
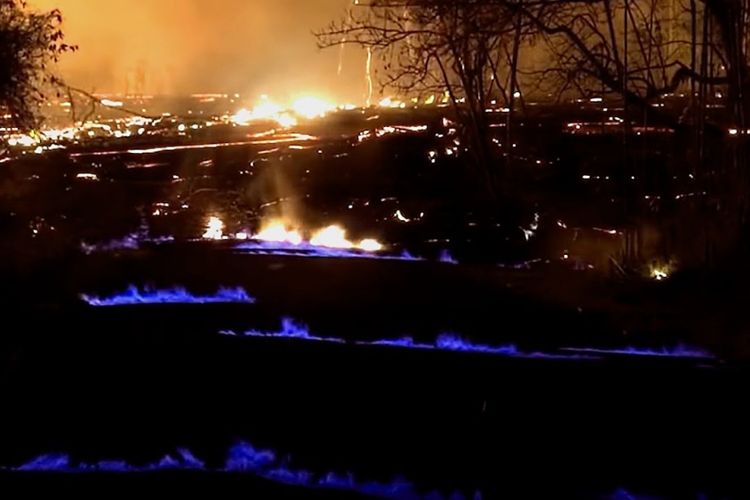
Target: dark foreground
pixel 133 384
pixel 444 421
pixel 126 399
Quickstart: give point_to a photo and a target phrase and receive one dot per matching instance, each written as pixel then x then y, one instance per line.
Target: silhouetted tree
pixel 466 50
pixel 30 43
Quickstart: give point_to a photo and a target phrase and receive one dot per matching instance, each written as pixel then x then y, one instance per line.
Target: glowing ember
pixel 391 103
pixel 398 215
pixel 331 237
pixel 660 271
pixel 214 229
pixel 112 104
pixel 659 274
pixel 21 140
pixel 370 245
pixel 134 296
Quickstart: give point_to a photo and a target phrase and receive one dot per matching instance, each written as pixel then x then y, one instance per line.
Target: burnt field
pixel 441 350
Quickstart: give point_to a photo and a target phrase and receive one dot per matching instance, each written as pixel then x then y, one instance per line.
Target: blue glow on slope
pixel 291 329
pixel 183 459
pixel 177 295
pixel 128 242
pixel 679 351
pixel 447 258
pixel 446 342
pixel 622 494
pixel 305 249
pixel 244 458
pixel 241 458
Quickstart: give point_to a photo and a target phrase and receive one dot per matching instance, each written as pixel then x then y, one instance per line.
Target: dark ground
pixel 135 383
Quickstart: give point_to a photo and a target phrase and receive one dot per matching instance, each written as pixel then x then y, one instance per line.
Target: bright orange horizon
pixel 189 46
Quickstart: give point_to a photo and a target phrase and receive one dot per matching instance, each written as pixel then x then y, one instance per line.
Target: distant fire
pixel 370 245
pixel 278 232
pixel 267 110
pixel 286 234
pixel 661 271
pixel 333 236
pixel 281 116
pixel 312 107
pixel 280 237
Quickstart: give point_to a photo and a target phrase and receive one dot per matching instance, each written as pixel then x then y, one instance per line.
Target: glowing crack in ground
pixel 178 295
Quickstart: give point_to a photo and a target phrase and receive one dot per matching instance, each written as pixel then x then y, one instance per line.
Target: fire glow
pixel 265 111
pixel 307 107
pixel 278 237
pixel 284 236
pixel 178 295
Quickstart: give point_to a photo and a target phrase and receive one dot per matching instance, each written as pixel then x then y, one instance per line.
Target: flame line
pixel 177 295
pixel 242 457
pixel 291 329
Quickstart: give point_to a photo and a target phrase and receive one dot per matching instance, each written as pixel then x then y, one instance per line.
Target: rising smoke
pixel 192 46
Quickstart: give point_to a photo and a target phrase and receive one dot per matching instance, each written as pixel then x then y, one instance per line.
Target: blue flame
pixel 305 249
pixel 292 329
pixel 622 494
pixel 447 258
pixel 452 342
pixel 243 458
pixel 128 242
pixel 183 459
pixel 177 295
pixel 52 462
pixel 405 342
pixel 131 241
pixel 679 351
